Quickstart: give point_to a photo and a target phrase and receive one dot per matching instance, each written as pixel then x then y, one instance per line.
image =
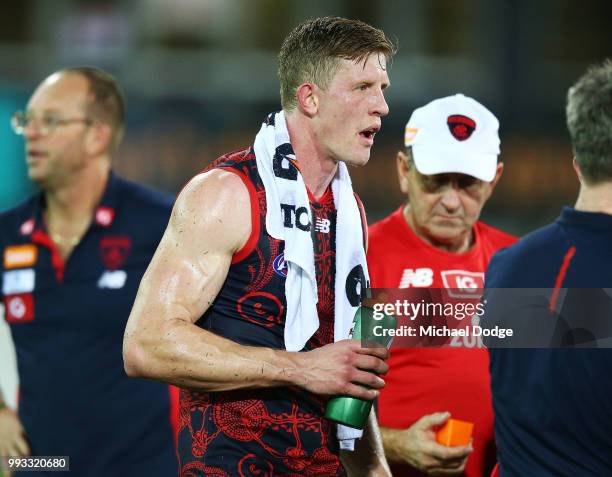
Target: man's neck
pixel 595 198
pixel 79 196
pixel 460 244
pixel 316 168
pixel 69 208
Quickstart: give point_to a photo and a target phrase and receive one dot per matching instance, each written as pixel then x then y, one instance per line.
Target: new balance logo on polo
pixel 322 226
pixel 113 279
pixel 416 277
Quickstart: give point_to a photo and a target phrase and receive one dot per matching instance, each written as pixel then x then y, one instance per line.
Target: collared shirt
pixel 552 406
pixel 67 320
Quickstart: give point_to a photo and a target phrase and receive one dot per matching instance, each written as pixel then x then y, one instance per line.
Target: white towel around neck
pixel 287 198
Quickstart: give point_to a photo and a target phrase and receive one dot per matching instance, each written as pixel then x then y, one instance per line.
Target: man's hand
pixel 417 447
pixel 343 368
pixel 12 435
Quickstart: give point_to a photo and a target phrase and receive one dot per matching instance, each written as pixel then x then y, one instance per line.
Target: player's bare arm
pixel 210 222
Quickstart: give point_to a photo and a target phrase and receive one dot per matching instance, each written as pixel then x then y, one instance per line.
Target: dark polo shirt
pixel 67 322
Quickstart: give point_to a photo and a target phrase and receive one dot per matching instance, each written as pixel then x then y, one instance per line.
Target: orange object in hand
pixel 455 433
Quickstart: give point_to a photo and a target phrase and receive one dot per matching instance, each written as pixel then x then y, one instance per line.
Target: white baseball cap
pixel 454 134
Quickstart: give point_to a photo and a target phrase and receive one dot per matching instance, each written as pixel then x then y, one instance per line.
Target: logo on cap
pixel 460 126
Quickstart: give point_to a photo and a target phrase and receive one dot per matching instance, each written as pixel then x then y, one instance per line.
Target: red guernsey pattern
pixel 324 215
pixel 262 432
pixel 425 380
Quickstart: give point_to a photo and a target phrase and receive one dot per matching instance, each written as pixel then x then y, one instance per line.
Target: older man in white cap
pixel 448 171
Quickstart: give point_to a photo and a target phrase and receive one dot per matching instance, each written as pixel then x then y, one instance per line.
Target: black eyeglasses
pixel 46 124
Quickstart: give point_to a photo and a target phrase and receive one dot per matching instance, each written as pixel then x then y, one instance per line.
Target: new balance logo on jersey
pixel 416 278
pixel 322 226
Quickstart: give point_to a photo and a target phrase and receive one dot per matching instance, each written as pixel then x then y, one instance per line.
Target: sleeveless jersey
pixel 262 432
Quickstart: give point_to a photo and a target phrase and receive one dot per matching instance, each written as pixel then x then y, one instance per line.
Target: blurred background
pixel 200 76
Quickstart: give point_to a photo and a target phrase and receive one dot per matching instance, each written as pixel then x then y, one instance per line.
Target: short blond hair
pixel 310 53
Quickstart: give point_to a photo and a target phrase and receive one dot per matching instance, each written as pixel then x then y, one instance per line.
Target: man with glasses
pixel 73 256
pixel 448 172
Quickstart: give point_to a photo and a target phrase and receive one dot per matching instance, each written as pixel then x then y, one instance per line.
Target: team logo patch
pixel 18 256
pixel 280 266
pixel 115 251
pixel 19 308
pixel 463 284
pixel 410 134
pixel 460 126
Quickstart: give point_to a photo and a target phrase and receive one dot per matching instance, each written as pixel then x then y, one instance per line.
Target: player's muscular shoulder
pixel 214 207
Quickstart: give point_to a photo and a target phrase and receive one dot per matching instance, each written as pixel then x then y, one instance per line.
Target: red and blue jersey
pixel 67 321
pixel 277 431
pixel 552 406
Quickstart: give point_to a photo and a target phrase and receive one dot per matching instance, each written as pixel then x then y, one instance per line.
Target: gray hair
pixel 589 120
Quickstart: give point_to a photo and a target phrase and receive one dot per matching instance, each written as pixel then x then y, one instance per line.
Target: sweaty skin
pixel 182 281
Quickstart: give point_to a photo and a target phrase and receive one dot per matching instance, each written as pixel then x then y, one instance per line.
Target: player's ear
pixel 577 170
pixel 307 99
pixel 403 168
pixel 98 138
pixel 489 186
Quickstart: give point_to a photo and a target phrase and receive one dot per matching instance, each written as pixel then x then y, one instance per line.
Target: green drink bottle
pixel 350 411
